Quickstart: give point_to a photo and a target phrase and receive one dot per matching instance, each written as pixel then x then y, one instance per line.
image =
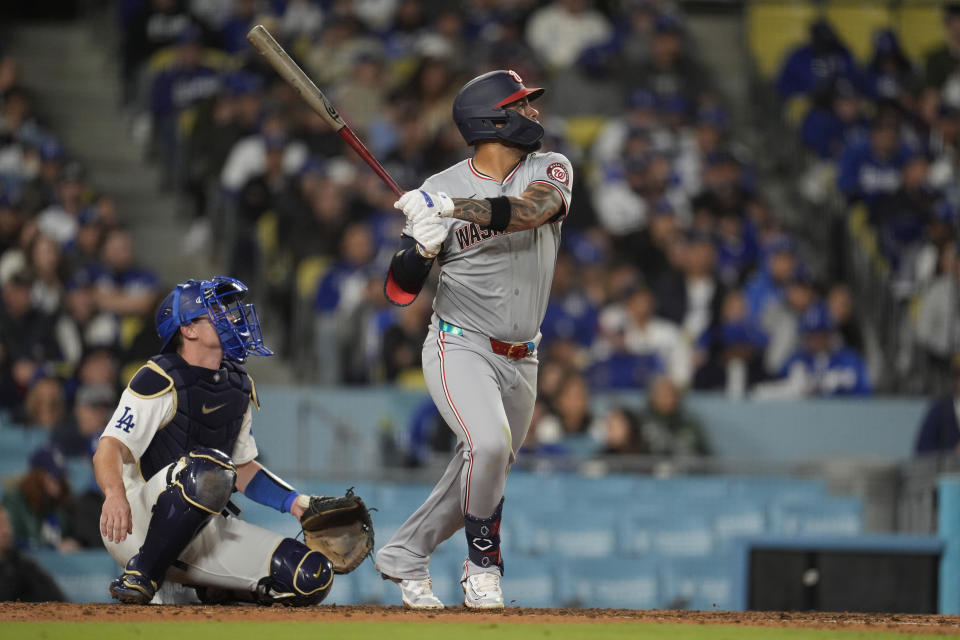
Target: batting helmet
pixel 219 299
pixel 479 110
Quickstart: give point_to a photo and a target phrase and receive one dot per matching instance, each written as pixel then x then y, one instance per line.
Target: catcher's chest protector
pixel 210 409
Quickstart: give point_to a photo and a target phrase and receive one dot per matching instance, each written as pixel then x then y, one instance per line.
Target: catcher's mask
pixel 220 300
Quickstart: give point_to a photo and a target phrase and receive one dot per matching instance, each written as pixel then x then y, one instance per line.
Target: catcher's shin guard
pixel 483 539
pixel 200 488
pixel 298 577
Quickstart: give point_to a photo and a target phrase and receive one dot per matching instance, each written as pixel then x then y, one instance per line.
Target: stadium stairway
pixel 71 70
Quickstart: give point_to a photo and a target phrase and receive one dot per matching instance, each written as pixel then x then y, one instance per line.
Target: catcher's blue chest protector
pixel 210 408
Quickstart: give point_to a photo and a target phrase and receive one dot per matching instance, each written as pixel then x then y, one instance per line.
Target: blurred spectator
pixel 154 25
pixel 781 322
pixel 621 433
pixel 60 220
pixel 902 216
pixel 872 168
pixel 568 425
pixel 560 31
pixel 21 578
pixel 175 89
pixel 890 76
pixel 634 345
pixel 341 291
pixel 835 121
pixel 45 262
pixel 768 284
pixel 730 353
pixel 92 406
pixel 940 429
pixel 937 328
pixel 666 427
pixel 692 297
pixel 822 367
pixel 36 503
pixel 248 157
pixel 844 318
pixel 45 405
pixel 26 333
pixel 814 64
pixel 40 191
pixel 670 70
pixel 122 286
pixel 80 324
pixel 942 61
pixel 570 313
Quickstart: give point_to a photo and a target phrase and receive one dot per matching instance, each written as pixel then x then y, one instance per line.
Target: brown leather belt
pixel 512 350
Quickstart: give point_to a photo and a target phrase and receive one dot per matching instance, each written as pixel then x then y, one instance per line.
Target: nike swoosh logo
pixel 205 410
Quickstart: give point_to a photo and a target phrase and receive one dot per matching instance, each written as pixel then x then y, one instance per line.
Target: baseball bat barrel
pixel 291 72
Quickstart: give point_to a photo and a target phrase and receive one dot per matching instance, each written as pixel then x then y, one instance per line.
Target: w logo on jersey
pixel 125 422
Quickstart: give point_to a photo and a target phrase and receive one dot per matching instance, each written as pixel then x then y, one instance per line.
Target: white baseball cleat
pixel 416 594
pixel 482 591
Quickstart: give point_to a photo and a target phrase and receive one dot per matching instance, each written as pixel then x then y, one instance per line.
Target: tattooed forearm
pixel 539 204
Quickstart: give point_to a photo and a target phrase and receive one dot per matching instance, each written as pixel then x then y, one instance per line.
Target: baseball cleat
pixel 416 594
pixel 482 591
pixel 133 588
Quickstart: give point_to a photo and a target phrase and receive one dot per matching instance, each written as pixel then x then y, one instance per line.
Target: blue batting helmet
pixel 219 299
pixel 479 110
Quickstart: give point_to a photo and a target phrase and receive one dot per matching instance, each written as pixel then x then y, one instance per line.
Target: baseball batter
pixel 493 224
pixel 175 448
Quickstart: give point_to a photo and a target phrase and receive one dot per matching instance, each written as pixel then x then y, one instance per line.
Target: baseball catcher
pixel 180 443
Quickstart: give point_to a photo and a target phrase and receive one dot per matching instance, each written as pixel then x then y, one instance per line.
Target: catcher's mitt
pixel 338 527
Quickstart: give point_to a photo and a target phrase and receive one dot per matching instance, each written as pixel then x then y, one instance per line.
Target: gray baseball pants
pixel 487 400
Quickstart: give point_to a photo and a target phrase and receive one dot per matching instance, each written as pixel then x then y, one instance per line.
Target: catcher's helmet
pixel 479 113
pixel 220 300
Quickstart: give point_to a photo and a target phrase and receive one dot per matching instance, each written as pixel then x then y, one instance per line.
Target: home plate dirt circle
pixel 73 612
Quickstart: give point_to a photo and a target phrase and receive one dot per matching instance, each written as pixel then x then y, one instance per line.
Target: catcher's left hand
pixel 338 527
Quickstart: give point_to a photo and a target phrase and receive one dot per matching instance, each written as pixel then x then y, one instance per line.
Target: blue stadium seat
pixel 609 582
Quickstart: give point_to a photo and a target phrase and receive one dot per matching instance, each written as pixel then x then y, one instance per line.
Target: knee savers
pixel 206 479
pixel 299 577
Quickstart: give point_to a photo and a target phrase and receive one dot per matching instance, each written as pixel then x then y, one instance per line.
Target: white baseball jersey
pixel 498 283
pixel 136 420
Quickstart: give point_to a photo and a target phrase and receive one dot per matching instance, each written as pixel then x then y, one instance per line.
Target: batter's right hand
pixel 115 518
pixel 419 204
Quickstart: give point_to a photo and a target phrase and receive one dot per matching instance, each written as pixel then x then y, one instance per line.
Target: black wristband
pixel 499 213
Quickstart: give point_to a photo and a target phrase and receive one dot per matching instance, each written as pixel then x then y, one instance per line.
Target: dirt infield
pixel 51 612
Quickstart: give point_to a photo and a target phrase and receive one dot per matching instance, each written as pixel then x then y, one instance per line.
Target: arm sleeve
pixel 408 271
pixel 136 420
pixel 245 448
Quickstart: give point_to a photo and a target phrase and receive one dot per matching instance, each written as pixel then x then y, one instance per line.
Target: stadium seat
pixel 855 22
pixel 609 583
pixel 582 130
pixel 774 27
pixel 920 27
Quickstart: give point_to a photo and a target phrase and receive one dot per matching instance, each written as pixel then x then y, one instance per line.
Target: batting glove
pixel 419 204
pixel 429 232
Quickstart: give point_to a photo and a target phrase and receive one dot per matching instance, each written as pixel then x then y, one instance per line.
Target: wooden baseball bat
pixel 290 71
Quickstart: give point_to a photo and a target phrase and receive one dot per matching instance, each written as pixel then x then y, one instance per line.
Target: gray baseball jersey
pixel 492 285
pixel 491 282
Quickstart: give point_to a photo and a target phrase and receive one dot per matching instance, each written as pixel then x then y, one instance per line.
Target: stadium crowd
pixel 676 272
